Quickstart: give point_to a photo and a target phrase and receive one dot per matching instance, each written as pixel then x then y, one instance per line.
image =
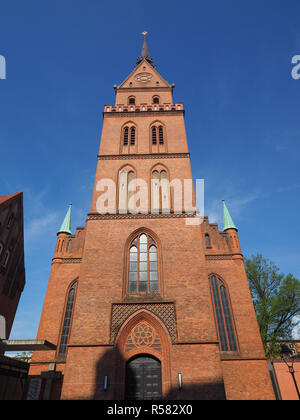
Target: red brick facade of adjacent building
pixel 12 272
pixel 157 292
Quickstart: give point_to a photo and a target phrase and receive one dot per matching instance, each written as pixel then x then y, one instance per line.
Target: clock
pixel 143 77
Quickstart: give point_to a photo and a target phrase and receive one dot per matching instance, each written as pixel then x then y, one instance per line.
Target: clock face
pixel 143 77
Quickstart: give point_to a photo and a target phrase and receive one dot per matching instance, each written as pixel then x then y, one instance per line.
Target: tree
pixel 276 299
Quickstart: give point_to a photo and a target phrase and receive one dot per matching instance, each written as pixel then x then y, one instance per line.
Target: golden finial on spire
pixel 144 33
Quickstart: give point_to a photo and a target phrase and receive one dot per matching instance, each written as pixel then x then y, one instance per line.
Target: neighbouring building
pixel 146 301
pixel 285 373
pixel 12 271
pixel 13 373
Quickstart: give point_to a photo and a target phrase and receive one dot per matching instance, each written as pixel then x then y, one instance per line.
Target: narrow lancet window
pixel 125 138
pixel 223 315
pixel 132 136
pixel 67 321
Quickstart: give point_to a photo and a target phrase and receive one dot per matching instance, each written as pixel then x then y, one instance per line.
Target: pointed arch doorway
pixel 143 378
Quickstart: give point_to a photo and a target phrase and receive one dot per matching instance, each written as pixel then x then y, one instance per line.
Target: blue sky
pixel 231 65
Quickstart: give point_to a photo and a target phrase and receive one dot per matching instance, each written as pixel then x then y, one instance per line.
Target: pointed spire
pixel 228 222
pixel 145 55
pixel 66 224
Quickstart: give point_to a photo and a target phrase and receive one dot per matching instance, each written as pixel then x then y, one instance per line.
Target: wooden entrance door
pixel 143 379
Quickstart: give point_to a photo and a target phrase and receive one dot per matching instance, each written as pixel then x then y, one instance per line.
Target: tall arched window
pixel 207 240
pixel 67 321
pixel 143 269
pixel 161 134
pixel 132 136
pixel 154 135
pixel 125 136
pixel 223 315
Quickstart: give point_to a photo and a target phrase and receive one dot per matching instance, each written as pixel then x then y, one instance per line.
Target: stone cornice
pixel 97 216
pixel 145 156
pixel 119 114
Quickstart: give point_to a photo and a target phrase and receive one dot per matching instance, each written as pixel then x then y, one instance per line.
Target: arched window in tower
pixel 155 99
pixel 158 137
pixel 128 138
pixel 132 136
pixel 131 100
pixel 67 321
pixel 143 265
pixel 161 134
pixel 207 240
pixel 223 315
pixel 125 136
pixel 154 135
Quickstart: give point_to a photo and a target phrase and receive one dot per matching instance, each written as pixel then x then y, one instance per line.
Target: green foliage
pixel 25 356
pixel 276 299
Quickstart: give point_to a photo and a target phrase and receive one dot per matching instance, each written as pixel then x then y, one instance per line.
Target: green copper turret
pixel 228 222
pixel 66 224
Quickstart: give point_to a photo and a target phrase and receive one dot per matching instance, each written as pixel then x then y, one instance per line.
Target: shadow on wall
pixel 126 381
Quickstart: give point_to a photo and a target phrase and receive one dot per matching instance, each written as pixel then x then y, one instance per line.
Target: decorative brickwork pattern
pixel 218 257
pixel 164 311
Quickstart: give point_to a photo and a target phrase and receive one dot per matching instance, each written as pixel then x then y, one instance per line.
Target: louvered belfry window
pixel 132 136
pixel 154 136
pixel 223 315
pixel 161 135
pixel 125 138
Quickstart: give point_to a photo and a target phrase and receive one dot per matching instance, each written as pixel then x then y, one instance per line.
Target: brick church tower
pixel 146 301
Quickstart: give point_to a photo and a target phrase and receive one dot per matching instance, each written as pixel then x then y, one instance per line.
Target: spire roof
pixel 66 224
pixel 145 55
pixel 228 222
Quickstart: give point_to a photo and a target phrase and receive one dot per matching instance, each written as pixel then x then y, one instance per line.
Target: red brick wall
pixel 185 264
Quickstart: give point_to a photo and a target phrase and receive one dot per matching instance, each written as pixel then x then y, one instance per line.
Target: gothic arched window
pixel 128 138
pixel 158 143
pixel 161 134
pixel 154 135
pixel 125 136
pixel 142 268
pixel 223 315
pixel 67 321
pixel 132 136
pixel 207 240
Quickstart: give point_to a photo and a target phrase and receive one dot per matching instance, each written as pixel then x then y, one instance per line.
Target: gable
pixel 144 75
